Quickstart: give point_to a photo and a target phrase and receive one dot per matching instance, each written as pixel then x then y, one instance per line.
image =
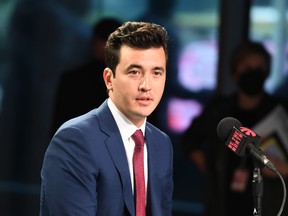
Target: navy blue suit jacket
pixel 85 170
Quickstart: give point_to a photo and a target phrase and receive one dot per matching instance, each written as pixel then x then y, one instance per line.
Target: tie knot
pixel 138 138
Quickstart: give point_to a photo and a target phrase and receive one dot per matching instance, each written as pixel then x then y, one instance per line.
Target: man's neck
pixel 247 102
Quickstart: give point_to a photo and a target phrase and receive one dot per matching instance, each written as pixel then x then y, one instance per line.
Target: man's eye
pixel 157 73
pixel 134 72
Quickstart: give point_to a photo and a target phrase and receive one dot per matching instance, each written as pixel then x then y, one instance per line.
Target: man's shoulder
pixel 81 121
pixel 157 132
pixel 78 72
pixel 220 104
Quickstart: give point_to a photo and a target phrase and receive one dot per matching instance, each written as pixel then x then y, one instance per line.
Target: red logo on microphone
pixel 248 131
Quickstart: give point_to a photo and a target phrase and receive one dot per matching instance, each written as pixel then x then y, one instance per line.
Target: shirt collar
pixel 126 127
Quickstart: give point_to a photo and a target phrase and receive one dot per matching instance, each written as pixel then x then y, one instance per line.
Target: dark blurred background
pixel 40 39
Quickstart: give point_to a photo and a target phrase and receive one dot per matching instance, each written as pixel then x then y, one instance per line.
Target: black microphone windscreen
pixel 225 125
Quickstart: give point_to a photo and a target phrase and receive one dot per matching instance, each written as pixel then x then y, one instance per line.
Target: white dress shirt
pixel 127 128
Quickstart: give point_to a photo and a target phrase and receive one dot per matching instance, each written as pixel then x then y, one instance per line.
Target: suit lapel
pixel 116 149
pixel 153 180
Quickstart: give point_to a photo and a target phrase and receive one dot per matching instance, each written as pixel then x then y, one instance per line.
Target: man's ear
pixel 107 76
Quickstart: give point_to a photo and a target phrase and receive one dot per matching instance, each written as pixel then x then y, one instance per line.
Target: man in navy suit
pixel 88 166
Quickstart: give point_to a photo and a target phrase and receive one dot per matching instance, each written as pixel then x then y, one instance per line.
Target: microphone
pixel 242 141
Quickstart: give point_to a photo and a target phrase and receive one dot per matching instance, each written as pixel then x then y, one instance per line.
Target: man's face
pixel 252 61
pixel 99 49
pixel 251 74
pixel 139 82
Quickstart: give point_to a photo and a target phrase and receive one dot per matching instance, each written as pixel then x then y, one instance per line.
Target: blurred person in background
pixel 82 88
pixel 228 177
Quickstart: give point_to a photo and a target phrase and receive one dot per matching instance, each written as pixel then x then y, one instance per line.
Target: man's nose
pixel 145 84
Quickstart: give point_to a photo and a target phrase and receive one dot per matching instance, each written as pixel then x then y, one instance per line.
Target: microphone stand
pixel 257 183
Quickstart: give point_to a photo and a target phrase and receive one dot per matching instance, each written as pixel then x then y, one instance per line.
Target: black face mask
pixel 252 81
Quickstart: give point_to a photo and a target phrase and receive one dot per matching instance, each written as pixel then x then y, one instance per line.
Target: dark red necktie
pixel 139 179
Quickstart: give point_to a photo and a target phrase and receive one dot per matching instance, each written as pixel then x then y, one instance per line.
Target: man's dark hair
pixel 105 27
pixel 248 48
pixel 140 35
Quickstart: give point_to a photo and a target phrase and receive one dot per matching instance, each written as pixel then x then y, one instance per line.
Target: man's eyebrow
pixel 140 67
pixel 159 68
pixel 134 66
